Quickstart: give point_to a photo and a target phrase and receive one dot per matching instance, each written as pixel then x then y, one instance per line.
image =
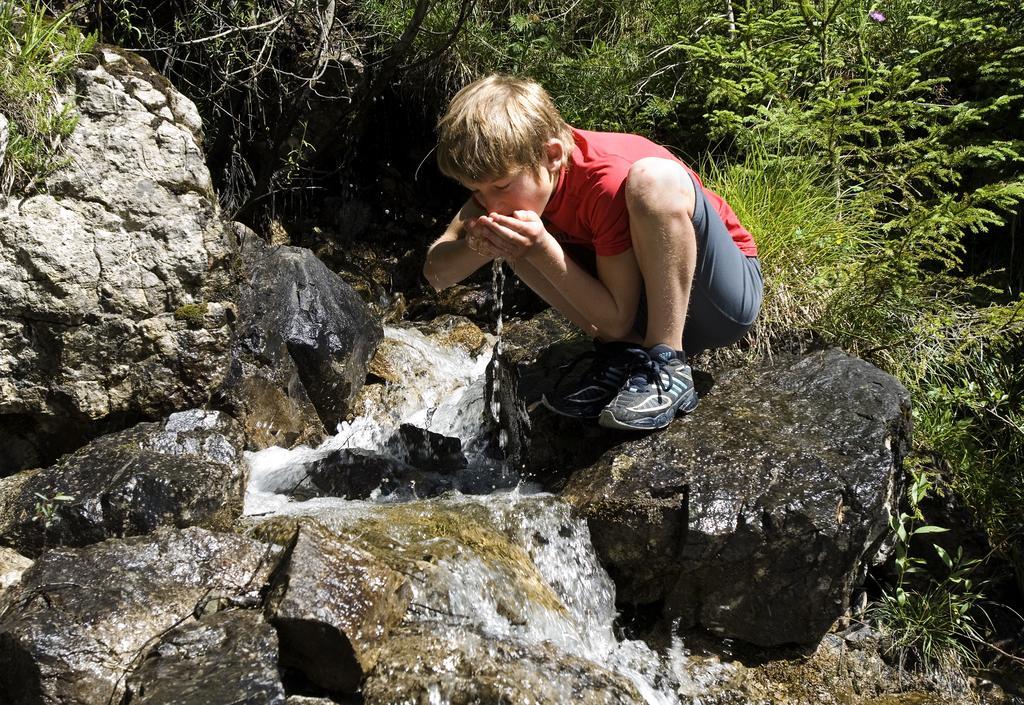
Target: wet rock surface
pixel 756 515
pixel 225 657
pixel 305 338
pixel 362 474
pixel 81 617
pixel 182 472
pixel 544 355
pixel 427 450
pixel 333 606
pixel 117 299
pixel 458 666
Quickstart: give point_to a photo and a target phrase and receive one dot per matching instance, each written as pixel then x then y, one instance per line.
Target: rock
pixel 427 450
pixel 182 472
pixel 831 674
pixel 333 606
pixel 474 302
pixel 441 663
pixel 305 338
pixel 456 332
pixel 82 616
pixel 359 474
pixel 117 296
pixel 542 355
pixel 471 560
pixel 12 565
pixel 755 516
pixel 225 657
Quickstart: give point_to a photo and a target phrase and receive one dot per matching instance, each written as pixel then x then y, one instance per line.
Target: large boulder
pixel 184 471
pixel 755 516
pixel 305 338
pixel 225 657
pixel 81 617
pixel 116 297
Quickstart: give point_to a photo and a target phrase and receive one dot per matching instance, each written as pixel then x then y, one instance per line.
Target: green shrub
pixel 933 626
pixel 37 57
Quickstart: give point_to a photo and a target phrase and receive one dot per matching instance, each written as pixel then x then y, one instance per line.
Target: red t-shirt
pixel 588 205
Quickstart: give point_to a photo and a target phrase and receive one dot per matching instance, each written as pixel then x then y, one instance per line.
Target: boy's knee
pixel 659 185
pixel 616 330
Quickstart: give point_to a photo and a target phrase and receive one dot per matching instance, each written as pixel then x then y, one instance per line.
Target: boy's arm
pixel 609 302
pixel 449 258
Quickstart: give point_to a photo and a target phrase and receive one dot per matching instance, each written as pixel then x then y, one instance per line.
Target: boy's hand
pixel 518 233
pixel 485 243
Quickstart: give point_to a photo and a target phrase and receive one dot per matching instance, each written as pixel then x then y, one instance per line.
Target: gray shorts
pixel 727 285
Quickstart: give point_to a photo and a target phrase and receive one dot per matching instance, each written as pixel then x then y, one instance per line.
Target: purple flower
pixel 876 16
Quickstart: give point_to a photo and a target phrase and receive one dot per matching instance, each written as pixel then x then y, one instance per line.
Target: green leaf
pixel 944 555
pixel 930 529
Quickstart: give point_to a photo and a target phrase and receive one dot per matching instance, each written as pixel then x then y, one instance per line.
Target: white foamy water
pixel 559 595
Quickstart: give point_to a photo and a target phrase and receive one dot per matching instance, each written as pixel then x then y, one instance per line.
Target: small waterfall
pixel 555 592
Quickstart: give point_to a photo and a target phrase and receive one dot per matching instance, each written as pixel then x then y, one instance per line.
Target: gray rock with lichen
pixel 96 264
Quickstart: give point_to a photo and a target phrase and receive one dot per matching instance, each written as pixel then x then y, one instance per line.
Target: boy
pixel 664 251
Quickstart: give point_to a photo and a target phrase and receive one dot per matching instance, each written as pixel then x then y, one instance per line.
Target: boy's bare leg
pixel 547 291
pixel 660 199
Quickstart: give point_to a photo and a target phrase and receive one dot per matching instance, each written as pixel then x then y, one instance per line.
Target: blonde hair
pixel 496 126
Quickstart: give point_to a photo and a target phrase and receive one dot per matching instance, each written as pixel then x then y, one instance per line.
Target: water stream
pixel 497 291
pixel 559 594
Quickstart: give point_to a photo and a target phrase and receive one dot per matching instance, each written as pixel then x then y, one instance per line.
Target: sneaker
pixel 656 390
pixel 604 378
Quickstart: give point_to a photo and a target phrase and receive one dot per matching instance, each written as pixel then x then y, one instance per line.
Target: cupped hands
pixel 507 236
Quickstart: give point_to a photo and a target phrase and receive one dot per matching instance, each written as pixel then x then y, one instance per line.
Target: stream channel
pixel 573 610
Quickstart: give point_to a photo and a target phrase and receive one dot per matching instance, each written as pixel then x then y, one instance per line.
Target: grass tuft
pixel 37 57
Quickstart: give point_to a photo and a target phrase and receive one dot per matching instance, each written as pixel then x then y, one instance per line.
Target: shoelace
pixel 645 369
pixel 598 367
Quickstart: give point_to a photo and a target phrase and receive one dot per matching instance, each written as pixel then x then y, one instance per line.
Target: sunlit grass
pixel 37 56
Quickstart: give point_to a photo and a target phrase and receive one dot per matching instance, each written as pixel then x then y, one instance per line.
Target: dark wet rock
pixel 333 605
pixel 304 341
pixel 81 617
pixel 117 296
pixel 359 474
pixel 184 471
pixel 225 657
pixel 439 663
pixel 755 516
pixel 427 450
